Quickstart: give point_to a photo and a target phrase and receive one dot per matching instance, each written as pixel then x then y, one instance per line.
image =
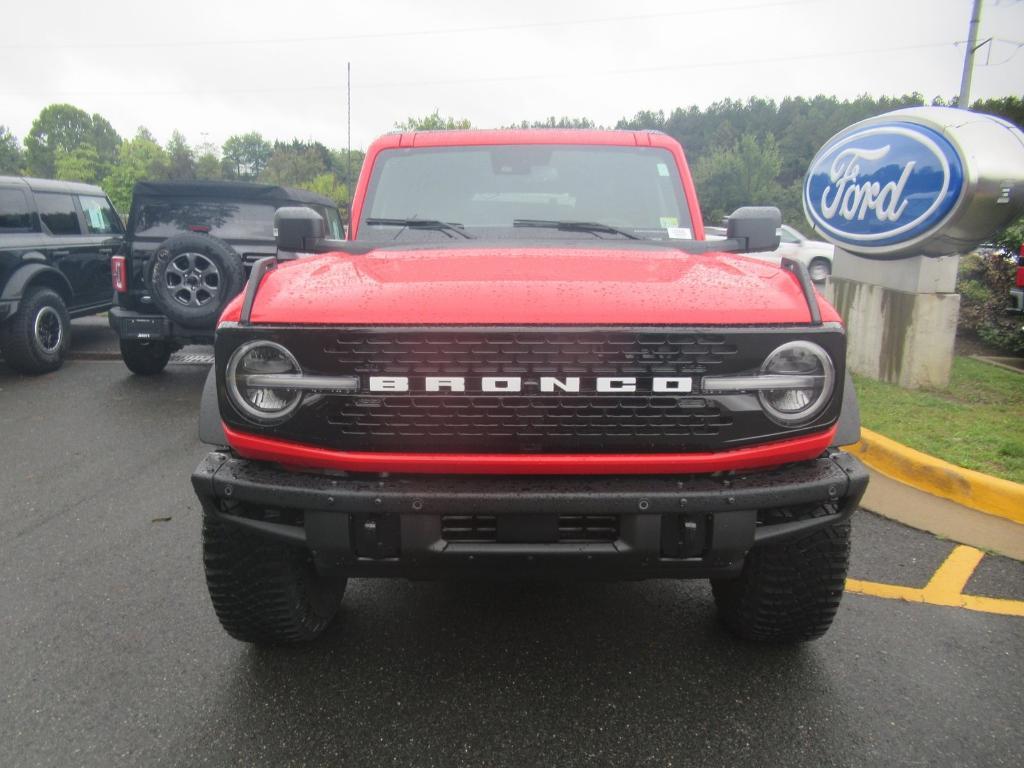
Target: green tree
pixel 559 122
pixel 181 160
pixel 140 159
pixel 296 164
pixel 434 122
pixel 743 174
pixel 106 141
pixel 246 155
pixel 327 184
pixel 59 129
pixel 347 168
pixel 1009 108
pixel 11 158
pixel 208 167
pixel 81 164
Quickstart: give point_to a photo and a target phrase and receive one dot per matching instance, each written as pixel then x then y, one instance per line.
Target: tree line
pixel 66 142
pixel 752 152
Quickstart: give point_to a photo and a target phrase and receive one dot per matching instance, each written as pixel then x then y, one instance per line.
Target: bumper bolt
pixel 644 504
pixel 832 492
pixel 682 502
pixel 417 505
pixel 228 490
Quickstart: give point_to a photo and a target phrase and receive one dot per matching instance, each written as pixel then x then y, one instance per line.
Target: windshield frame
pixel 681 184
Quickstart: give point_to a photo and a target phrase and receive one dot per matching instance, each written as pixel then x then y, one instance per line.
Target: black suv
pixel 188 251
pixel 56 240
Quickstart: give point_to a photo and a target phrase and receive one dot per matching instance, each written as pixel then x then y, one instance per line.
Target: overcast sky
pixel 211 68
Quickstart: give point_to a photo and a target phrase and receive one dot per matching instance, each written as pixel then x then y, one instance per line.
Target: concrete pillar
pixel 900 316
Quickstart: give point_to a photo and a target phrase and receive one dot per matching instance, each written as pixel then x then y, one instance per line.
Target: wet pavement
pixel 112 655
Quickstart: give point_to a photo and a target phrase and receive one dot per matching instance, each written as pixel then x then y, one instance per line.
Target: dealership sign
pixel 926 180
pixel 883 184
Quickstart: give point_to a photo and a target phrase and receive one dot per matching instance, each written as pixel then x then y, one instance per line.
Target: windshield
pixel 524 192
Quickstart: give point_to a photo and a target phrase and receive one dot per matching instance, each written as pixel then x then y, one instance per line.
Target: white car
pixel 815 254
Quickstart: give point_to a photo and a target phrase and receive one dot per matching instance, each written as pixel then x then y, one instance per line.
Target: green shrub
pixel 984 286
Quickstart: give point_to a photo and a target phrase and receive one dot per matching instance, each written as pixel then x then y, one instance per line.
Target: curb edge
pixel 976 490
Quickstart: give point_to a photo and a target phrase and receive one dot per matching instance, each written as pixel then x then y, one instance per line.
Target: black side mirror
pixel 758 226
pixel 298 229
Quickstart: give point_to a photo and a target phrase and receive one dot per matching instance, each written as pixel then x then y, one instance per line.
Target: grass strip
pixel 977 423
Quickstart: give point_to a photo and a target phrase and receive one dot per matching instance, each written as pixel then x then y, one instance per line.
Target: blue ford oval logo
pixel 882 185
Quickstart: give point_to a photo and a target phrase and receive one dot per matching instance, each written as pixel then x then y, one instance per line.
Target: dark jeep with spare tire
pixel 187 253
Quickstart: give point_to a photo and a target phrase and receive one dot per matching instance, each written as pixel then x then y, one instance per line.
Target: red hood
pixel 529 286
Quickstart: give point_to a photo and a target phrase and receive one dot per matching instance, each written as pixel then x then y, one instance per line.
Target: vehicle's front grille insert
pixel 533 527
pixel 561 401
pixel 529 420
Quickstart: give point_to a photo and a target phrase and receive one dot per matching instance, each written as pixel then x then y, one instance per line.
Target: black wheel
pixel 265 592
pixel 35 340
pixel 820 270
pixel 145 358
pixel 193 276
pixel 788 592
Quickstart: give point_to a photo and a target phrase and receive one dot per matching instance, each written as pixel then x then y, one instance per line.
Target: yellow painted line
pixel 945 587
pixel 949 581
pixel 976 490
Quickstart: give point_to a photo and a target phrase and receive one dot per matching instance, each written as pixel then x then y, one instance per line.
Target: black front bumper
pixel 429 526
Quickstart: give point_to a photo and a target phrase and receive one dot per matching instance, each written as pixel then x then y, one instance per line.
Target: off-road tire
pixel 145 358
pixel 180 254
pixel 263 591
pixel 788 592
pixel 27 350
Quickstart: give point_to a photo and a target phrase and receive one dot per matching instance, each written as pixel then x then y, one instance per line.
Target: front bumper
pixel 415 526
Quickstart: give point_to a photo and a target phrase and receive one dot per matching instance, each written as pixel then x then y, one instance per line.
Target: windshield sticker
pixel 668 221
pixel 679 233
pixel 662 169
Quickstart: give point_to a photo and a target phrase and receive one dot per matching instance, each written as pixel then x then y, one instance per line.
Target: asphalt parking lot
pixel 112 655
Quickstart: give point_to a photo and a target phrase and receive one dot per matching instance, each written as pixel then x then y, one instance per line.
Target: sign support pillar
pixel 901 317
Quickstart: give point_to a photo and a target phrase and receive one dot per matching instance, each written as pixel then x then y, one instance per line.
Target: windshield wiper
pixel 448 227
pixel 592 227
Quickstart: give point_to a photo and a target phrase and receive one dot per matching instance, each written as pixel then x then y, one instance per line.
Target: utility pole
pixel 964 102
pixel 348 152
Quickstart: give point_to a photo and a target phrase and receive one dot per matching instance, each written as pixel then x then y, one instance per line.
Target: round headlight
pixel 811 368
pixel 247 374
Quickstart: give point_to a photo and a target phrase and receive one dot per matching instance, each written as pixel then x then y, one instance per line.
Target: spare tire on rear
pixel 193 276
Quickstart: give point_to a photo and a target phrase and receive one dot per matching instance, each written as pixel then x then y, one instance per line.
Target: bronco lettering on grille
pixel 498 384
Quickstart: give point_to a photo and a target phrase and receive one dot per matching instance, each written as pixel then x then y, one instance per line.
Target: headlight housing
pixel 259 402
pixel 806 378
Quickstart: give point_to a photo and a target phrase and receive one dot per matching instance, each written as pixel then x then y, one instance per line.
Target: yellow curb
pixel 976 490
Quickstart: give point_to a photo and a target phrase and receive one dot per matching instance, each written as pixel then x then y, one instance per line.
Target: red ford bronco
pixel 527 362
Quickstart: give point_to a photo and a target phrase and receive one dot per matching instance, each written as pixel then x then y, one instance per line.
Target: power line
pixel 498 78
pixel 37 45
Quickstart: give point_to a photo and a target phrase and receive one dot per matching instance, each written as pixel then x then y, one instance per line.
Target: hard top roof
pixel 485 137
pixel 235 190
pixel 52 185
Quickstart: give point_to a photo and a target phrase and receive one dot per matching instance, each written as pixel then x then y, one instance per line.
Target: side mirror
pixel 758 226
pixel 297 229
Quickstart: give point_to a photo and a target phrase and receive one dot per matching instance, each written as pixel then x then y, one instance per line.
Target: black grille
pixel 570 528
pixel 530 354
pixel 531 420
pixel 528 420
